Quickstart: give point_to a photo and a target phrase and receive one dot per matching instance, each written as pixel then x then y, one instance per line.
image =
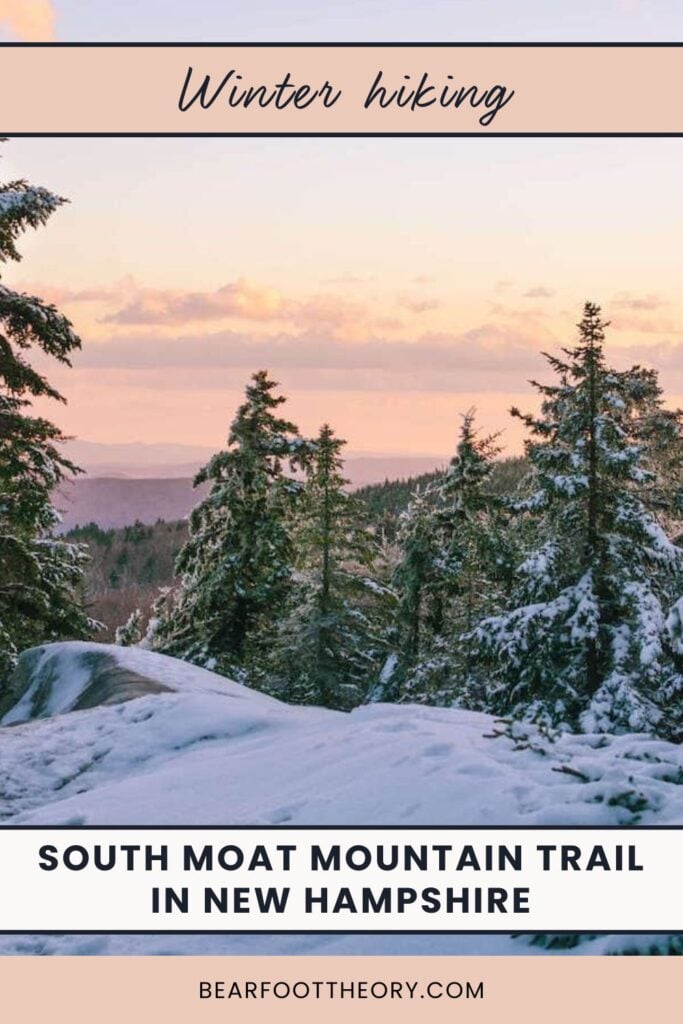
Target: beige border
pixel 137 89
pixel 564 990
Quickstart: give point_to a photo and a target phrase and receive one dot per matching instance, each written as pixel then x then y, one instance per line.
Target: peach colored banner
pixel 488 990
pixel 331 89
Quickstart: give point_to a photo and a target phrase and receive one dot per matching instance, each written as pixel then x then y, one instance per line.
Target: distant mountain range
pixel 161 461
pixel 129 482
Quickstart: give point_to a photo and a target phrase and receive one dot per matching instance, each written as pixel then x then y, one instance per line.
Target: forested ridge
pixel 545 589
pixel 127 566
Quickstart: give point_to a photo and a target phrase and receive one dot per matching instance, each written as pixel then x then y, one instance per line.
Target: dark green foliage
pixel 455 567
pixel 126 568
pixel 543 587
pixel 590 637
pixel 117 583
pixel 133 631
pixel 387 501
pixel 329 644
pixel 38 573
pixel 91 533
pixel 235 569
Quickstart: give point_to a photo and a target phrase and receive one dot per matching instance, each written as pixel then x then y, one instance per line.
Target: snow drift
pixel 104 735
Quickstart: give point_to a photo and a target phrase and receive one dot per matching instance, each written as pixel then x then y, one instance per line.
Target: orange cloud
pixel 127 303
pixel 29 19
pixel 237 299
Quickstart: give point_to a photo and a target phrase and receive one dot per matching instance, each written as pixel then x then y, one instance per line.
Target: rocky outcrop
pixel 46 681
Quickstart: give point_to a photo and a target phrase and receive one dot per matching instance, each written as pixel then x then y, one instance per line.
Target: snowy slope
pixel 207 751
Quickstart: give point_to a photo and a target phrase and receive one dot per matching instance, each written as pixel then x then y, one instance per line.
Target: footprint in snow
pixel 437 750
pixel 281 815
pixel 396 727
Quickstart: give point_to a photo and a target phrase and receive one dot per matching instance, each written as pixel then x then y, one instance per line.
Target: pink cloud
pixel 527 315
pixel 644 324
pixel 417 305
pixel 59 295
pixel 238 299
pixel 330 311
pixel 638 302
pixel 539 292
pixel 129 304
pixel 489 350
pixel 29 19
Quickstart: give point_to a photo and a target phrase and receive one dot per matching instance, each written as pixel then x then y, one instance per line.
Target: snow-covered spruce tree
pixel 235 569
pixel 39 575
pixel 329 646
pixel 585 642
pixel 455 566
pixel 132 631
pixel 659 432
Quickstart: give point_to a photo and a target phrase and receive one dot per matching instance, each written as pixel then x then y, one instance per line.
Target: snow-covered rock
pixel 56 678
pixel 184 746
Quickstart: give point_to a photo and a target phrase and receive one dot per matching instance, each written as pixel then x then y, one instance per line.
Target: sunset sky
pixel 388 284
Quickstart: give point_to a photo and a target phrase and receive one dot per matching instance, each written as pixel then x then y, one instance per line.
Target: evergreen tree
pixel 585 640
pixel 659 433
pixel 418 586
pixel 235 569
pixel 474 559
pixel 329 645
pixel 454 565
pixel 39 575
pixel 132 631
pixel 417 579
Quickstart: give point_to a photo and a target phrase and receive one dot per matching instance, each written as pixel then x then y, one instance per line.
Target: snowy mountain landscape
pixel 103 735
pixel 496 641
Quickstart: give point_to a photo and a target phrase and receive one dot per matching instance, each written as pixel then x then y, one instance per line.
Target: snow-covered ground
pixel 208 751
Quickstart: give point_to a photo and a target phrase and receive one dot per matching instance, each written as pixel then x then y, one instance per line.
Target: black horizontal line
pixel 345 828
pixel 326 44
pixel 342 135
pixel 403 931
